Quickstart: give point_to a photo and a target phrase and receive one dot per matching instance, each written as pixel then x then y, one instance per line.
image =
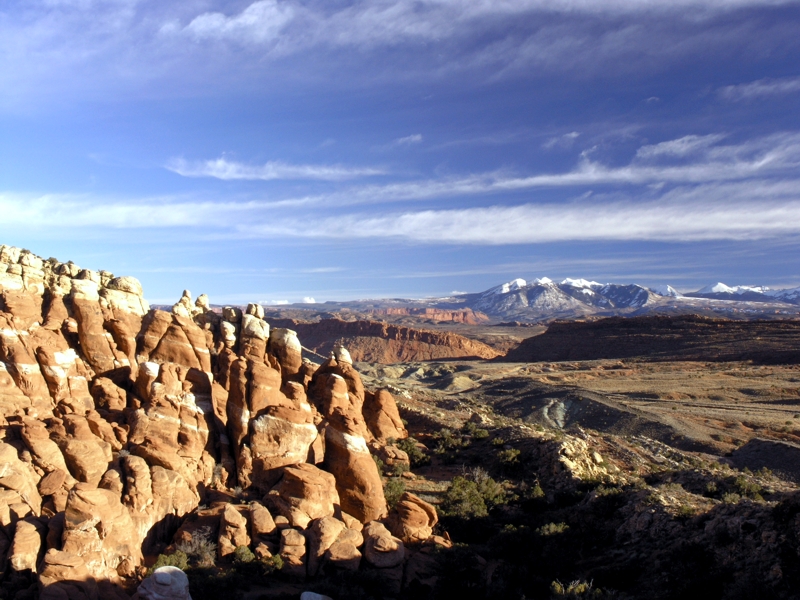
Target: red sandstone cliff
pixel 372 341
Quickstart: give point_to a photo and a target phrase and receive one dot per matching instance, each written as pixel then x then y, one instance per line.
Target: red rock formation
pixel 117 421
pixel 372 341
pixel 465 315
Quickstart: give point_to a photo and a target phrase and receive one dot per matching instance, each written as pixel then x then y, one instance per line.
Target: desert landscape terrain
pixel 193 451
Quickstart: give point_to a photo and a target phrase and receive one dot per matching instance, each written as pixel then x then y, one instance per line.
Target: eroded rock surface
pixel 117 421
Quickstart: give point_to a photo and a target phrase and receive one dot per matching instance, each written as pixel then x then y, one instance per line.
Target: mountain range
pixel 543 299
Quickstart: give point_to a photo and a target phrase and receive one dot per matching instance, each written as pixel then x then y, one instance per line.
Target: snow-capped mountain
pixel 665 290
pixel 542 295
pixel 542 298
pixel 749 293
pixel 791 295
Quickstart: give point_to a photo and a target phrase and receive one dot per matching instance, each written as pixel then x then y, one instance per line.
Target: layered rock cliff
pixel 372 341
pixel 466 315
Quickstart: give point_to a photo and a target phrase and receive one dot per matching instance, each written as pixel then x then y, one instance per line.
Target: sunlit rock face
pixel 117 422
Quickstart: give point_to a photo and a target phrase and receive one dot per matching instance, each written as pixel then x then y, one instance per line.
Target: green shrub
pixel 393 489
pixel 473 495
pixel 176 559
pixel 476 432
pixel 535 492
pixel 731 498
pixel 552 529
pixel 243 554
pixel 509 457
pixel 399 468
pixel 378 463
pixel 748 489
pixel 464 499
pixel 498 441
pixel 272 564
pixel 576 590
pixel 417 457
pixel 447 440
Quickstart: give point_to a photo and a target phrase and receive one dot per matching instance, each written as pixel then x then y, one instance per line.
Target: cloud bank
pixel 224 169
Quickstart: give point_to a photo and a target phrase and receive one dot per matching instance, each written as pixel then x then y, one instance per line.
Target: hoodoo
pixel 118 421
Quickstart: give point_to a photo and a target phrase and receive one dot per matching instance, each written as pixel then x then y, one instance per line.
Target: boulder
pixel 19 477
pixel 382 417
pixel 26 545
pixel 412 519
pixel 386 553
pixel 304 493
pixel 98 528
pixel 293 552
pixel 262 525
pixel 381 548
pixel 321 535
pixel 64 576
pixel 166 583
pixel 343 555
pixel 232 531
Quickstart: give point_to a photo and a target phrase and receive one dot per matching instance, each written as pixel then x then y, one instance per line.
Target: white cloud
pixel 56 51
pixel 309 300
pixel 408 140
pixel 680 147
pixel 768 156
pixel 761 88
pixel 222 168
pixel 260 22
pixel 532 224
pixel 562 141
pixel 726 191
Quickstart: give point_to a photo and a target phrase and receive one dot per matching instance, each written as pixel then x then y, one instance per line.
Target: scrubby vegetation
pixel 417 457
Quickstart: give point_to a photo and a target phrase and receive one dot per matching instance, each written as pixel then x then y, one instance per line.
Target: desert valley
pixel 388 452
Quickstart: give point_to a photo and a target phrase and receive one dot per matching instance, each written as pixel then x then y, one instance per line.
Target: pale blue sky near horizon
pixel 278 150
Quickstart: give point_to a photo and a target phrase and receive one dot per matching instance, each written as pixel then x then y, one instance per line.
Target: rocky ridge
pixel 375 342
pixel 688 337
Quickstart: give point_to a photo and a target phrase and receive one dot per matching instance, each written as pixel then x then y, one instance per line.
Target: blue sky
pixel 283 149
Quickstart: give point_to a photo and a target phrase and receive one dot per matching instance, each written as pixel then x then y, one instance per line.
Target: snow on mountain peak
pixel 721 288
pixel 542 280
pixel 717 288
pixel 505 288
pixel 581 283
pixel 666 290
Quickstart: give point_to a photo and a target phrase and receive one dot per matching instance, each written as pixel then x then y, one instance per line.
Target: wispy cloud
pixel 87 48
pixel 761 88
pixel 534 224
pixel 562 141
pixel 681 147
pixel 221 168
pixel 408 140
pixel 719 191
pixel 769 156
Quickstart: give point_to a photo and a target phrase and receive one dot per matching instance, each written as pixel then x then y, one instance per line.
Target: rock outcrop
pixel 373 341
pixel 118 421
